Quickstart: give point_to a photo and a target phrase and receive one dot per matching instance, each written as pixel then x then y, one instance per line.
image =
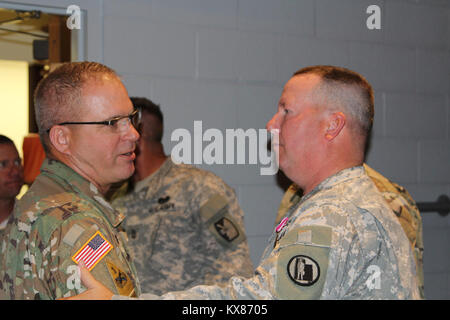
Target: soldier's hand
pixel 95 289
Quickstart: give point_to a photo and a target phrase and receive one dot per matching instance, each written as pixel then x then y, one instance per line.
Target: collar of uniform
pixel 296 192
pixel 83 188
pixel 337 178
pixel 152 180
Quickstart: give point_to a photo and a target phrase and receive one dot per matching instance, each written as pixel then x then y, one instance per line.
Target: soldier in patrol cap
pixel 184 224
pixel 84 116
pixel 342 240
pixel 399 200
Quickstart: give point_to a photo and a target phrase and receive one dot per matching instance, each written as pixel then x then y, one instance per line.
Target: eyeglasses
pixel 119 124
pixel 8 163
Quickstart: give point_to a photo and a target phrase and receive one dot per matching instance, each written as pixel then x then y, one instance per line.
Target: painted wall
pixel 14 100
pixel 224 62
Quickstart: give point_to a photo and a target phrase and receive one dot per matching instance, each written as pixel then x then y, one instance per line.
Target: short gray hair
pixel 58 96
pixel 346 90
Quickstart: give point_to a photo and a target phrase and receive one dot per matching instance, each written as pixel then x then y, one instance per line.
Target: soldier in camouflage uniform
pixel 399 200
pixel 184 224
pixel 341 241
pixel 63 218
pixel 11 179
pixel 345 247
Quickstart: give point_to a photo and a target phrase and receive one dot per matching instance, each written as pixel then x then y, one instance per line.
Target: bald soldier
pixel 85 121
pixel 398 199
pixel 342 241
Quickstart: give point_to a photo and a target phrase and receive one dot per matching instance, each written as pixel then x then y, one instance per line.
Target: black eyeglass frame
pixel 110 122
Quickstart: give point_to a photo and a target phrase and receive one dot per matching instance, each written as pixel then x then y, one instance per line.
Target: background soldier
pixel 11 178
pixel 184 224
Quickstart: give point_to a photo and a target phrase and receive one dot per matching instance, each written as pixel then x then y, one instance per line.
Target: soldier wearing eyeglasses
pixel 85 122
pixel 11 179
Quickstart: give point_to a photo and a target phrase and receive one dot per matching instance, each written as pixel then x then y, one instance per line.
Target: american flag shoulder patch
pixel 93 251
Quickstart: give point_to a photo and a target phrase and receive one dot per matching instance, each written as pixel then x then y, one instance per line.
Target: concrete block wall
pixel 224 62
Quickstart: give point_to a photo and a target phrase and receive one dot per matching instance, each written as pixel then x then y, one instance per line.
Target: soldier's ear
pixel 59 138
pixel 335 123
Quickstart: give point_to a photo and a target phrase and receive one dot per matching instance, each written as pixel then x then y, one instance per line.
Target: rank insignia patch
pixel 226 229
pixel 93 251
pixel 303 270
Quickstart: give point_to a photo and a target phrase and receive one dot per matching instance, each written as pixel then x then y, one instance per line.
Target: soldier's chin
pixel 126 172
pixel 281 163
pixel 14 187
pixel 287 170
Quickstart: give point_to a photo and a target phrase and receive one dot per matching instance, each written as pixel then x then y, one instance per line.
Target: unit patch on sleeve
pixel 93 251
pixel 220 223
pixel 226 229
pixel 121 280
pixel 303 270
pixel 302 263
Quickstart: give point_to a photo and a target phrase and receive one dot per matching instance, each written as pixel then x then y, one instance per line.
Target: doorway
pixel 33 41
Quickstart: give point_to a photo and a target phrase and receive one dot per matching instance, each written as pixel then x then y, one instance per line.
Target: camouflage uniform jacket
pixel 4 223
pixel 398 199
pixel 407 213
pixel 59 215
pixel 3 227
pixel 185 228
pixel 341 242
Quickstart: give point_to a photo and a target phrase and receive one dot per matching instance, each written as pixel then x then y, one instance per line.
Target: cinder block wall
pixel 224 62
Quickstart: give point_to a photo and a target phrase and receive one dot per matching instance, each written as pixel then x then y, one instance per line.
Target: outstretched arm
pixel 95 290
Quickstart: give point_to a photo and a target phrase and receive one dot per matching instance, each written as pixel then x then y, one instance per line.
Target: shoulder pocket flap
pixel 313 235
pixel 216 205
